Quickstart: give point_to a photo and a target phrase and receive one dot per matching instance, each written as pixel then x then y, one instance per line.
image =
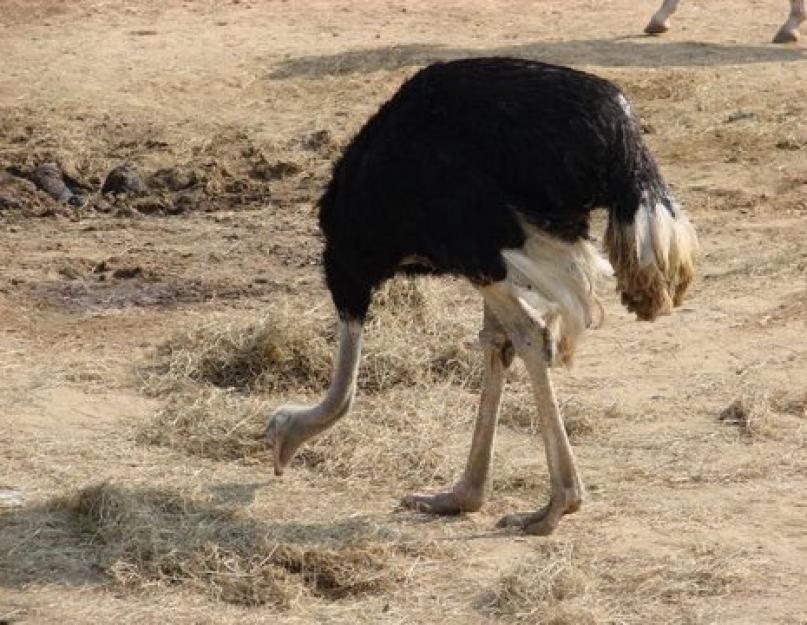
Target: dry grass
pixel 395 430
pixel 794 404
pixel 584 419
pixel 750 413
pixel 212 423
pixel 667 586
pixel 547 588
pixel 398 435
pixel 407 343
pixel 279 352
pixel 143 537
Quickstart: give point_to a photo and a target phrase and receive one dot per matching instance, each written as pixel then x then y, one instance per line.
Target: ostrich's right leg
pixel 468 493
pixel 290 426
pixel 658 23
pixel 534 336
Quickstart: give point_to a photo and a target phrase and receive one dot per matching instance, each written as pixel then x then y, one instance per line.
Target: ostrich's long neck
pixel 343 381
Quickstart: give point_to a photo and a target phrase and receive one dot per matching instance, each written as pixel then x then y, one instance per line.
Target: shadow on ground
pixel 106 534
pixel 617 52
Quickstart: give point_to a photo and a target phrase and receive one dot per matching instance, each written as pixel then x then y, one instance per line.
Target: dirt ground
pixel 133 484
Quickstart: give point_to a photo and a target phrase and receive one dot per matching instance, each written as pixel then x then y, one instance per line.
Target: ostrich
pixel 786 34
pixel 489 168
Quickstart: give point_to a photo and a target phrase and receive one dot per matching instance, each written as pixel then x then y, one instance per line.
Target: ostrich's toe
pixel 545 520
pixel 459 499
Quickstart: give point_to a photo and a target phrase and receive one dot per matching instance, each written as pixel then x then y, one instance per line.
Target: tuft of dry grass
pixel 547 588
pixel 704 570
pixel 396 435
pixel 794 404
pixel 407 343
pixel 279 352
pixel 143 537
pixel 582 419
pixel 212 423
pixel 750 413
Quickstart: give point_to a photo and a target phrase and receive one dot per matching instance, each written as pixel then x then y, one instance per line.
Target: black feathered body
pixel 446 174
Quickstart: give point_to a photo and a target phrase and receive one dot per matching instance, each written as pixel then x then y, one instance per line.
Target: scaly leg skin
pixel 534 344
pixel 658 23
pixel 290 426
pixel 789 32
pixel 469 492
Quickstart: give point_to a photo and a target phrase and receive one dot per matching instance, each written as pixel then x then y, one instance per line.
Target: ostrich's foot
pixel 544 521
pixel 459 499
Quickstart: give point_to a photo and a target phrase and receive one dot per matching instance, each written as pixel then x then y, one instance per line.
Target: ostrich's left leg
pixel 469 491
pixel 534 337
pixel 290 426
pixel 790 29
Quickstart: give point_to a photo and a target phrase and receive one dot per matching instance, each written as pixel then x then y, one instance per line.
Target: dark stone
pixel 149 205
pixel 48 177
pixel 127 273
pixel 124 179
pixel 7 202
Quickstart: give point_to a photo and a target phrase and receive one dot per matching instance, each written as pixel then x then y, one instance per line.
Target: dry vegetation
pixel 545 587
pixel 145 337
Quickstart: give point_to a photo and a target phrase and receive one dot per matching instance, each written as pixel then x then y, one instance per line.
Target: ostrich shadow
pixel 73 540
pixel 642 52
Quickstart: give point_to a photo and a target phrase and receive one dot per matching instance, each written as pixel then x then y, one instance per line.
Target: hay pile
pixel 219 379
pixel 407 343
pixel 142 537
pixel 547 587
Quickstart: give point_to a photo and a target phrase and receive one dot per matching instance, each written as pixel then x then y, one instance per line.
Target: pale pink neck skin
pixel 290 426
pixel 787 33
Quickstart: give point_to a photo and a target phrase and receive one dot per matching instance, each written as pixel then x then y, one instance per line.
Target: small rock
pixel 186 202
pixel 7 202
pixel 788 144
pixel 79 200
pixel 318 140
pixel 124 211
pixel 101 205
pixel 124 179
pixel 175 208
pixel 48 177
pixel 264 170
pixel 127 273
pixel 149 205
pixel 739 115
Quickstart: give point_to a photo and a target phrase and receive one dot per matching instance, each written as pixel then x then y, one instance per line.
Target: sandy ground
pixel 234 111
